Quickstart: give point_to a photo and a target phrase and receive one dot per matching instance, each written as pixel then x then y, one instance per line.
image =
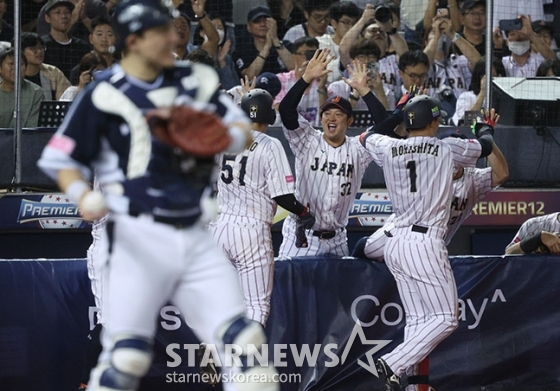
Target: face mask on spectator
pixel 221 34
pixel 519 48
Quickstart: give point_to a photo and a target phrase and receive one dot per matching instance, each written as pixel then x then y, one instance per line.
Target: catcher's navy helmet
pixel 257 104
pixel 135 16
pixel 420 111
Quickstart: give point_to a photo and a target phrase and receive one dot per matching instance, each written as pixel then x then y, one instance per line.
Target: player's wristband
pixel 528 245
pixel 76 190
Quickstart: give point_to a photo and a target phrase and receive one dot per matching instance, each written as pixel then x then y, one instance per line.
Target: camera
pixel 446 93
pixel 383 14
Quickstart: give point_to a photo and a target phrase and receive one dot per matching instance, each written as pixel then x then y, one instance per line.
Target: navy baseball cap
pixel 420 111
pixel 340 103
pixel 469 4
pixel 257 12
pixel 269 81
pixel 55 3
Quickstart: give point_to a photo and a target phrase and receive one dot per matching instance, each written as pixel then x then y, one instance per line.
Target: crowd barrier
pixel 343 310
pixel 531 156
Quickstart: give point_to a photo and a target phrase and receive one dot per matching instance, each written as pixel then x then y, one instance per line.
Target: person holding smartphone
pixel 303 50
pixel 365 53
pixel 91 63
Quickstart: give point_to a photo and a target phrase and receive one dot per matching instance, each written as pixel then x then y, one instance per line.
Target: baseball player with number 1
pixel 250 186
pixel 127 127
pixel 419 173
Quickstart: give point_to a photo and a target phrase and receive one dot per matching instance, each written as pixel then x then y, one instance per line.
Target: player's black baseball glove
pixel 304 221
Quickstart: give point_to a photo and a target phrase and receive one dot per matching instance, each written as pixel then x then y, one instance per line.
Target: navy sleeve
pixel 288 105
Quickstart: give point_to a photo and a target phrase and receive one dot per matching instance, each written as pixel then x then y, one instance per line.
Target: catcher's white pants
pixel 247 242
pixel 335 246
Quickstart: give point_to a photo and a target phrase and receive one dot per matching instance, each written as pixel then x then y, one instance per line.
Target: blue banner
pixel 329 316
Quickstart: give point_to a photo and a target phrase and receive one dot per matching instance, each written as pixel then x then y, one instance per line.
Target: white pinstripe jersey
pixel 328 178
pixel 535 225
pixel 419 173
pixel 249 181
pixel 467 191
pixel 457 73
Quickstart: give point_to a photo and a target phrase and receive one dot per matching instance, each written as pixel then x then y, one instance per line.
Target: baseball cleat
pixel 208 372
pixel 392 381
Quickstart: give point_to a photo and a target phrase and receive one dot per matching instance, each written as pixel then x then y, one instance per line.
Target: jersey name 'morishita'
pixel 427 148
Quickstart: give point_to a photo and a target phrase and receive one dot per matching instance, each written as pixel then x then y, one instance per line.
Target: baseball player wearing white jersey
pixel 419 172
pixel 157 250
pixel 538 234
pixel 470 185
pixel 329 165
pixel 250 186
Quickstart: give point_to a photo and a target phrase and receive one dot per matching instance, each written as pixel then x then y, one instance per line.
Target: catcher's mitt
pixel 196 132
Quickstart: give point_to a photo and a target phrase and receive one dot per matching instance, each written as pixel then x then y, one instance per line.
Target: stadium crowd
pixel 439 44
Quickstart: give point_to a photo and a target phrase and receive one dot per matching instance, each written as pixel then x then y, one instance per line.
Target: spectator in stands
pixel 412 12
pixel 102 39
pixel 344 15
pixel 317 23
pixel 211 38
pixel 287 13
pixel 475 98
pixel 50 78
pixel 363 52
pixel 62 50
pixel 382 34
pixel 507 9
pixel 538 234
pixel 449 74
pixel 549 68
pixel 31 94
pixel 308 107
pixel 523 63
pixel 29 11
pixel 91 64
pixel 83 13
pixel 261 50
pixel 223 62
pixel 473 21
pixel 546 32
pixel 6 29
pixel 413 69
pixel 183 27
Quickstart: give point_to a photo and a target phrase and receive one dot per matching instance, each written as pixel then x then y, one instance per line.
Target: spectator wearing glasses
pixel 521 62
pixel 287 13
pixel 365 53
pixel 317 23
pixel 545 31
pixel 62 50
pixel 31 94
pixel 48 77
pixel 344 15
pixel 261 50
pixel 413 69
pixel 304 48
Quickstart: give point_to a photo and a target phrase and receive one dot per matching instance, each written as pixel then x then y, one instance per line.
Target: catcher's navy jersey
pixel 106 130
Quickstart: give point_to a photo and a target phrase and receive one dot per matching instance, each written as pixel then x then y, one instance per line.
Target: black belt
pixel 324 234
pixel 179 224
pixel 419 229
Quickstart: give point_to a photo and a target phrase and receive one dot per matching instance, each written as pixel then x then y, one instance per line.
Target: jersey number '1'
pixel 227 169
pixel 411 166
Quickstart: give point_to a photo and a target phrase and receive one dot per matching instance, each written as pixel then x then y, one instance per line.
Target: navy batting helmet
pixel 420 111
pixel 135 16
pixel 257 104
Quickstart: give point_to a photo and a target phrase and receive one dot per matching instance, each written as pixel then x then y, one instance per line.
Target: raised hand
pixel 490 118
pixel 317 66
pixel 223 51
pixel 358 77
pixel 247 85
